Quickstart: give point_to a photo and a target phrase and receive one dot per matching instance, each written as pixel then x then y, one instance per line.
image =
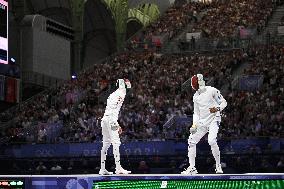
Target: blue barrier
pixel 138 148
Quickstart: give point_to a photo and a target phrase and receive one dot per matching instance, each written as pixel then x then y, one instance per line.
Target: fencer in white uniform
pixel 208 104
pixel 111 128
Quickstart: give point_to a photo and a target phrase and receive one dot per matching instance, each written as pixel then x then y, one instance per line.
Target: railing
pixel 211 45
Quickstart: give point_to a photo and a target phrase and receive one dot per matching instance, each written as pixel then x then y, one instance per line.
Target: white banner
pixel 280 30
pixel 196 36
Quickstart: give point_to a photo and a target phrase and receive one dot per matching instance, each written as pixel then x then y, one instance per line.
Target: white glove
pixel 193 129
pixel 114 125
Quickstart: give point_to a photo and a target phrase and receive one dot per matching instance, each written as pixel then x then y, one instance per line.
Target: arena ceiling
pixel 145 13
pixel 102 20
pixel 59 10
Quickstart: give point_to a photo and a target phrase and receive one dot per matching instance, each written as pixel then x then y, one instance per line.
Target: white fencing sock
pixel 216 153
pixel 116 155
pixel 192 155
pixel 103 154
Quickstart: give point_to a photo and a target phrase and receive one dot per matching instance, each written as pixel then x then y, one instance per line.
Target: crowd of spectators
pixel 155 99
pixel 217 19
pixel 224 18
pixel 260 112
pixel 156 96
pixel 172 22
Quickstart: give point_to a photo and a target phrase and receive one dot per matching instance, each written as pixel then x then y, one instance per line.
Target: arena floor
pixel 145 181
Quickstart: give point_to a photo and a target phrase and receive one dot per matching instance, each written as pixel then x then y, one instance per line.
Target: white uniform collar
pixel 201 90
pixel 122 90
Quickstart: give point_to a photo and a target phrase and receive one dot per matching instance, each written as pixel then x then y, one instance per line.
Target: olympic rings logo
pixel 87 152
pixel 44 153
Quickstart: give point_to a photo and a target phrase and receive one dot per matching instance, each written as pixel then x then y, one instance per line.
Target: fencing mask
pixel 197 82
pixel 123 84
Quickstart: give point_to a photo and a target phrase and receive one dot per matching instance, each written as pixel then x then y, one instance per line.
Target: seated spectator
pixel 56 167
pixel 42 134
pixel 41 168
pixel 280 165
pixel 143 168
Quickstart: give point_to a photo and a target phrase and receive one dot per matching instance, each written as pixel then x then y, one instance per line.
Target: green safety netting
pixel 150 10
pixel 145 13
pixel 136 14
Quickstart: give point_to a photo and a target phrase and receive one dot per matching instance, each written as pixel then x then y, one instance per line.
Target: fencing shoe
pixel 105 172
pixel 189 171
pixel 122 171
pixel 219 169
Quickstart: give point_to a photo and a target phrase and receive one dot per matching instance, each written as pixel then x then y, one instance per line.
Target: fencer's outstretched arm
pixel 219 99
